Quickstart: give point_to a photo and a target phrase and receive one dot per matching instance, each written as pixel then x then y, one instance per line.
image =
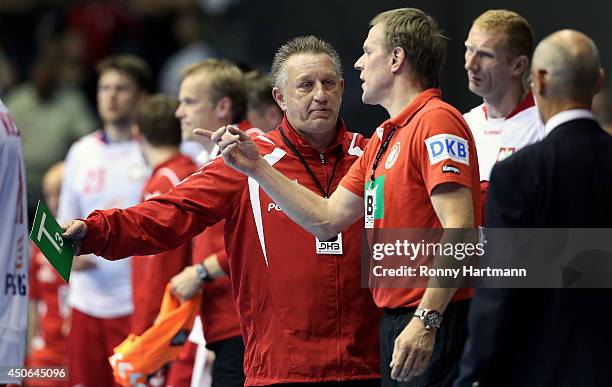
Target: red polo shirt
pixel 432 145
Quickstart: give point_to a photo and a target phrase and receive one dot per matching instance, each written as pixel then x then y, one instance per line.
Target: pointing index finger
pixel 203 132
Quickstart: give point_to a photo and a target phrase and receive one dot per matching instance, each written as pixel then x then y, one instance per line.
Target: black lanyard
pixel 307 167
pixel 382 150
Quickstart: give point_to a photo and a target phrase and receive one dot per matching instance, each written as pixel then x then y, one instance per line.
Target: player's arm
pixel 188 282
pixel 161 223
pixel 413 347
pixel 453 206
pixel 324 218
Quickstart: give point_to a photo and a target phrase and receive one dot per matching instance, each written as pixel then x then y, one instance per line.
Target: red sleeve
pixel 165 221
pixel 354 180
pixel 444 150
pixel 210 242
pixel 158 184
pixel 223 261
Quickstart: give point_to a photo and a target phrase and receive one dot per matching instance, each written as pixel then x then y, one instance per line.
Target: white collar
pixel 566 116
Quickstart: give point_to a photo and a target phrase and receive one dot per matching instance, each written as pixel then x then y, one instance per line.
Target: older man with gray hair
pixel 303 314
pixel 549 337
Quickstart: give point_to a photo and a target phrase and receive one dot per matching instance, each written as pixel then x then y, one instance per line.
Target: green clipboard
pixel 46 235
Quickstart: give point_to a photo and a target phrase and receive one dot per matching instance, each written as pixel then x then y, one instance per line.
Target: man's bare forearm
pixel 441 290
pixel 453 206
pixel 304 207
pixel 212 266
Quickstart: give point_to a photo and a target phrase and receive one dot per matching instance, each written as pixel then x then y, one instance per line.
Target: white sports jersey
pixel 101 175
pixel 498 138
pixel 13 244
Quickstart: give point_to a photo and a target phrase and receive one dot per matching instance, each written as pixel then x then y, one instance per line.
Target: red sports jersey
pixel 431 145
pixel 304 316
pixel 151 273
pixel 48 289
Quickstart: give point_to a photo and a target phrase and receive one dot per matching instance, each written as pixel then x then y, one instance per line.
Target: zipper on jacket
pixel 322 156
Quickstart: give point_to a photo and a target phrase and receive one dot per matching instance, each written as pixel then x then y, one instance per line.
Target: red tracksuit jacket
pixel 304 317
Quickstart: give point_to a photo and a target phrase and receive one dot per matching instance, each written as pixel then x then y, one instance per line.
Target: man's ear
pixel 279 97
pixel 600 80
pixel 223 109
pixel 542 81
pixel 398 56
pixel 520 65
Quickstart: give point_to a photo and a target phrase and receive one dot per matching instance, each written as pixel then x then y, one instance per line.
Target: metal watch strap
pixel 421 314
pixel 203 275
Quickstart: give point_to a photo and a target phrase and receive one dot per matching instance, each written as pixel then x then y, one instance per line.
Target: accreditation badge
pixel 332 246
pixel 370 204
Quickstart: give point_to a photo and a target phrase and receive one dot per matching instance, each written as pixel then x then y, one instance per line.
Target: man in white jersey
pixel 13 245
pixel 104 170
pixel 497 53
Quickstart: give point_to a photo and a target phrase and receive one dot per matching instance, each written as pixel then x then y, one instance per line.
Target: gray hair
pixel 301 45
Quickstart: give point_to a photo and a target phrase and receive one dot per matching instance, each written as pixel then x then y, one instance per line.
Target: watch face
pixel 433 319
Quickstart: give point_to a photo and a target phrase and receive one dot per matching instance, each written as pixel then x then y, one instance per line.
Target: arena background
pixel 250 31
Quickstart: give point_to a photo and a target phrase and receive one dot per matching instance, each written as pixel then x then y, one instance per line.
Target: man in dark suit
pixel 549 337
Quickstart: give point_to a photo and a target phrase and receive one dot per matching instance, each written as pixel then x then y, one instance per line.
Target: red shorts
pixel 90 343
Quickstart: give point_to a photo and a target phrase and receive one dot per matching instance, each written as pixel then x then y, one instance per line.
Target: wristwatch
pixel 203 275
pixel 431 318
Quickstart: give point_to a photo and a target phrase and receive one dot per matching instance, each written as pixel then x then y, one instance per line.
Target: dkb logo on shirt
pixel 447 146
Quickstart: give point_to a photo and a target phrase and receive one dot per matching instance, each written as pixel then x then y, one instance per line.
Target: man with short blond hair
pixel 518 34
pixel 418 34
pixel 211 95
pixel 497 53
pixel 223 80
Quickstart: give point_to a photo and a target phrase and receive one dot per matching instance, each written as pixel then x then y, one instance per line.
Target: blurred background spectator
pixel 262 110
pixel 188 31
pixel 51 114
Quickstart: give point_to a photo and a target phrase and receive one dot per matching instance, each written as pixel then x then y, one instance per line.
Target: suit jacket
pixel 546 337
